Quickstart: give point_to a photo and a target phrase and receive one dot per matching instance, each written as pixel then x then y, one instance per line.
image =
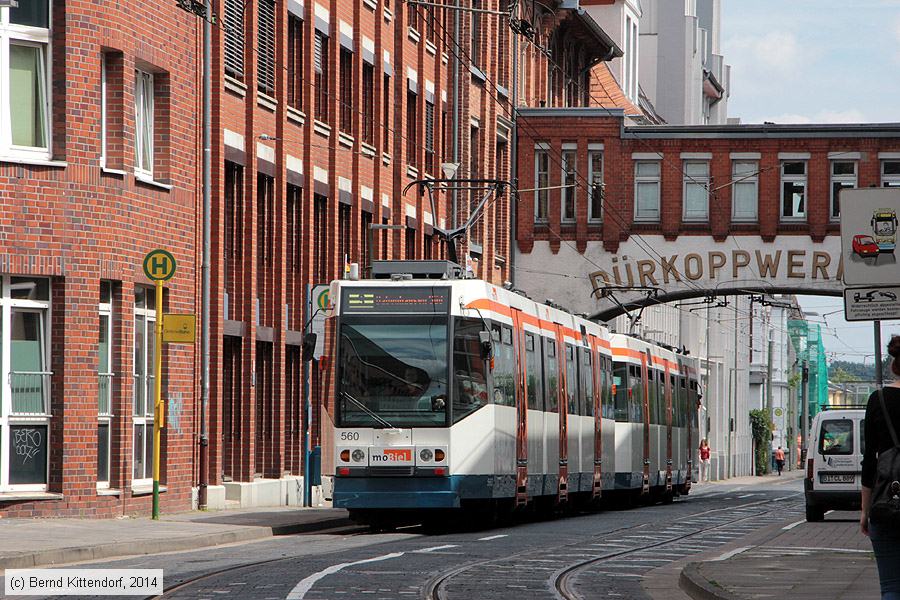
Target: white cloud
pixel 824 116
pixel 776 50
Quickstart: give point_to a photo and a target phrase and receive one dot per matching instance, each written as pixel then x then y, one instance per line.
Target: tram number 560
pixel 349 436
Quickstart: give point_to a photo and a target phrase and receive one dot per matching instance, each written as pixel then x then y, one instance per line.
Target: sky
pixel 817 61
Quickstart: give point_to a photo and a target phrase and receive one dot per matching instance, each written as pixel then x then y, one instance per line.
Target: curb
pixel 698 587
pixel 57 556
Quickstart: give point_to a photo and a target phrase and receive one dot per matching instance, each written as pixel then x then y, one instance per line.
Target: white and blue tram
pixel 454 393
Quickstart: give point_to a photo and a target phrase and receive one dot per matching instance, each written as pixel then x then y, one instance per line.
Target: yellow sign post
pixel 159 265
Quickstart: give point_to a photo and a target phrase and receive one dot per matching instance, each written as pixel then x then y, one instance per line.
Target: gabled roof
pixel 606 92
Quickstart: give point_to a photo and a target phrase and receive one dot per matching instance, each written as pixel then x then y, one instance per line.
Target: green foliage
pixel 839 375
pixel 761 428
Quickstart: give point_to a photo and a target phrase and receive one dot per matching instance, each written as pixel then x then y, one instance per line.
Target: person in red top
pixel 779 459
pixel 704 460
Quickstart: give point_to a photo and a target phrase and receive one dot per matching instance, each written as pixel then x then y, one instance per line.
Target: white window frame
pixel 594 184
pixel 794 179
pixel 7 419
pixel 105 371
pixel 141 124
pixel 844 180
pixel 104 114
pixel 742 179
pixel 26 36
pixel 541 190
pixel 889 180
pixel 144 420
pixel 645 180
pixel 691 182
pixel 568 155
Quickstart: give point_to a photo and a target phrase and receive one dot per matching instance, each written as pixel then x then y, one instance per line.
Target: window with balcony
pixel 744 190
pixel 142 395
pixel 646 190
pixel 595 183
pixel 793 190
pixel 843 176
pixel 541 183
pixel 105 384
pixel 696 191
pixel 25 401
pixel 25 71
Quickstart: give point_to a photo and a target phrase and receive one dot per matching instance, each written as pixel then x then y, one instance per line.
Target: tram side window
pixel 534 373
pixel 683 400
pixel 636 402
pixel 587 382
pixel 571 380
pixel 661 397
pixel 676 407
pixel 470 372
pixel 620 380
pixel 552 372
pixel 654 397
pixel 607 407
pixel 504 367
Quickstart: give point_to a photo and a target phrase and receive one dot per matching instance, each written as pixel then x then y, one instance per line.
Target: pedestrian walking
pixel 880 519
pixel 779 460
pixel 704 459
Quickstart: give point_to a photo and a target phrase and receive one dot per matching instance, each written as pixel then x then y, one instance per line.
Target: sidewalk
pixel 39 542
pixel 800 560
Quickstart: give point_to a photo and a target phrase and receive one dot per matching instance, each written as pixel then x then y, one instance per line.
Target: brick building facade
pixel 98 155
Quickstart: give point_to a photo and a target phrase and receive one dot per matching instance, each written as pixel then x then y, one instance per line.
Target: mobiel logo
pixel 393 454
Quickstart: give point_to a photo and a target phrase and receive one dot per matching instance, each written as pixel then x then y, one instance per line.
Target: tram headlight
pixel 345 456
pixel 358 455
pixel 439 455
pixel 426 455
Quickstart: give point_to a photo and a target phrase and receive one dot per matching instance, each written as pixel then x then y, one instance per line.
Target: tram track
pixel 560 583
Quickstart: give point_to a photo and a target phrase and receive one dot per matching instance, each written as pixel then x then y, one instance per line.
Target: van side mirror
pixel 487 346
pixel 309 346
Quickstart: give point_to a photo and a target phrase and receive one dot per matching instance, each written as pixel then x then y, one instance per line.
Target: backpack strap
pixel 887 418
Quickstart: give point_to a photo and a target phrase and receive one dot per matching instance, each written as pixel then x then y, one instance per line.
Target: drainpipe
pixel 205 265
pixel 513 161
pixel 456 42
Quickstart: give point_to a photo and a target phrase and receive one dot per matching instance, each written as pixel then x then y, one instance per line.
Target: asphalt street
pixel 597 555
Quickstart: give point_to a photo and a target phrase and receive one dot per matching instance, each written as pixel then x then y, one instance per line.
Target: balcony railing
pixel 29 391
pixel 143 395
pixel 104 406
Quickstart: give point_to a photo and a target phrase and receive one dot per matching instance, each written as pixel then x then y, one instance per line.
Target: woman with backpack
pixel 880 517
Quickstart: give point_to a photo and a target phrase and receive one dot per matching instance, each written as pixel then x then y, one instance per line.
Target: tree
pixel 761 428
pixel 839 375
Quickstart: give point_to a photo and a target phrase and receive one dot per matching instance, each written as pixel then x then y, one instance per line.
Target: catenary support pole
pixel 513 157
pixel 202 499
pixel 456 102
pixel 157 395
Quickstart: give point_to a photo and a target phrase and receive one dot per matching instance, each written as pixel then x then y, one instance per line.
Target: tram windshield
pixel 393 372
pixel 885 225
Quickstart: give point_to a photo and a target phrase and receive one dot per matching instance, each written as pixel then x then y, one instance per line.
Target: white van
pixel 834 462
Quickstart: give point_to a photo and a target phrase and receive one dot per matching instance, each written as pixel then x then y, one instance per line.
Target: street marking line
pixel 745 496
pixel 792 525
pixel 304 585
pixel 493 537
pixel 434 548
pixel 731 553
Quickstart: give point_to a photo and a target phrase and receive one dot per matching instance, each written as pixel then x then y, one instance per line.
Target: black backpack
pixel 885 508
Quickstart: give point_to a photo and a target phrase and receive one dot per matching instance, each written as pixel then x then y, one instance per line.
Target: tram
pixel 447 393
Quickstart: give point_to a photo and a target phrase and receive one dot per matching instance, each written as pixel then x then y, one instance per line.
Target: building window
pixel 386 110
pixel 412 16
pixel 446 134
pixel 294 227
pixel 265 219
pixel 475 35
pixel 384 238
pixel 412 128
pixel 104 375
pixel 346 82
pixel 142 406
pixel 646 190
pixel 25 120
pixel 595 183
pixel 25 401
pixel 410 244
pixel 696 191
pixel 567 193
pixel 793 190
pixel 843 176
pixel 104 112
pixel 745 190
pixel 320 247
pixel 890 173
pixel 430 22
pixel 323 78
pixel 368 98
pixel 234 38
pixel 429 137
pixel 143 123
pixel 344 248
pixel 365 238
pixel 541 183
pixel 475 166
pixel 265 56
pixel 295 63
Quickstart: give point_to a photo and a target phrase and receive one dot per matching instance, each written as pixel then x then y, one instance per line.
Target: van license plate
pixel 826 478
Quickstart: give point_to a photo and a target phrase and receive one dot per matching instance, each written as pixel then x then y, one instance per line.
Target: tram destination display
pixel 356 300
